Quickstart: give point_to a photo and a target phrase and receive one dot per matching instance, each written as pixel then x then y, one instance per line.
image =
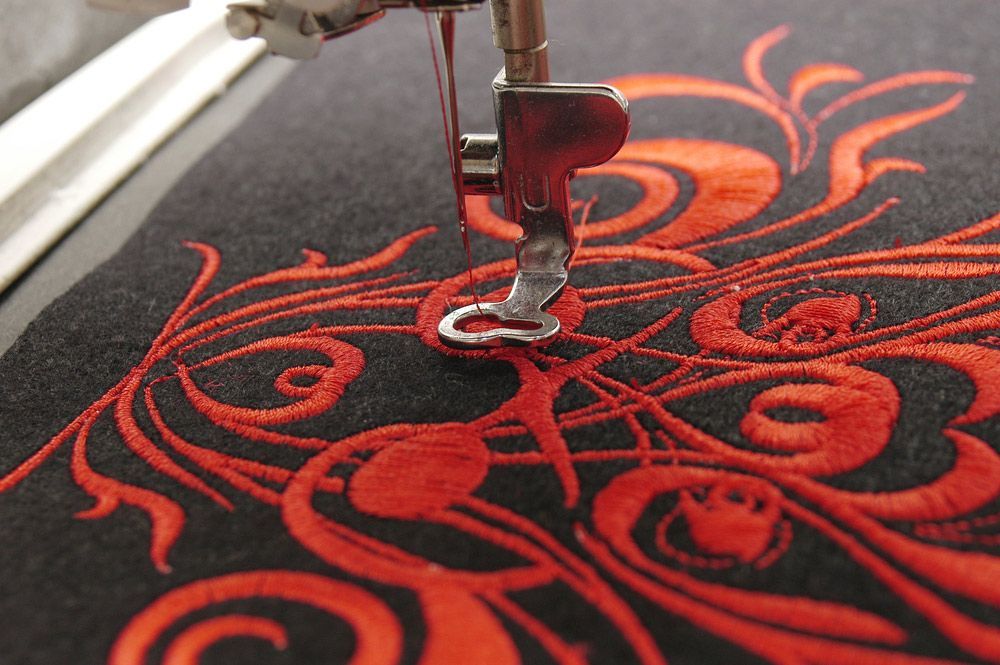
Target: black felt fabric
pixel 346 157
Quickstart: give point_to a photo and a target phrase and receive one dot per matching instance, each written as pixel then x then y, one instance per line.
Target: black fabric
pixel 346 157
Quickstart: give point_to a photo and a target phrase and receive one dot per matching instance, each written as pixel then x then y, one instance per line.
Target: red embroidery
pixel 378 633
pixel 797 332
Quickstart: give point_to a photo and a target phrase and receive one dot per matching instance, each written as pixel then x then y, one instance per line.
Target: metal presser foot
pixel 545 131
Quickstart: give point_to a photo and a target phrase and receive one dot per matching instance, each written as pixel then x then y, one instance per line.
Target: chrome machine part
pixel 481 164
pixel 519 30
pixel 297 28
pixel 286 27
pixel 545 132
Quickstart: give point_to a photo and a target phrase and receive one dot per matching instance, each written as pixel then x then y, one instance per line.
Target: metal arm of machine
pixel 297 28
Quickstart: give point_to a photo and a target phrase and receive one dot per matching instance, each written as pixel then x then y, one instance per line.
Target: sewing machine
pixel 544 132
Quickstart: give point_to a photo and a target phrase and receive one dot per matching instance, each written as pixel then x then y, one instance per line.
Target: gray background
pixel 43 41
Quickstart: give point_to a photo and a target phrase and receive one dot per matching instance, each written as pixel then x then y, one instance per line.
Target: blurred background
pixel 43 41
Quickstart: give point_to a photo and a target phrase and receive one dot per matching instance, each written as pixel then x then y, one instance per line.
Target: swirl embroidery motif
pixel 679 504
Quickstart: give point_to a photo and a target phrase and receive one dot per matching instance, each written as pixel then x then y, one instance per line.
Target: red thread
pixel 377 631
pixel 452 135
pixel 188 647
pixel 812 77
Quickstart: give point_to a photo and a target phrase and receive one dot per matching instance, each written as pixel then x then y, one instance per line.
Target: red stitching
pixel 188 647
pixel 378 633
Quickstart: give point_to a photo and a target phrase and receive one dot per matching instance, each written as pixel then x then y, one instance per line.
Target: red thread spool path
pixel 446 23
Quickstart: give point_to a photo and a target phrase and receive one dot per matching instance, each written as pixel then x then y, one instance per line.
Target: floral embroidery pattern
pixel 681 501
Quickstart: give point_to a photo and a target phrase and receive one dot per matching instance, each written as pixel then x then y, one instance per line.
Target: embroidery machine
pixel 544 132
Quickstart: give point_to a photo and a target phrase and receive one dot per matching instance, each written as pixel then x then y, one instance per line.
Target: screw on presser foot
pixel 545 132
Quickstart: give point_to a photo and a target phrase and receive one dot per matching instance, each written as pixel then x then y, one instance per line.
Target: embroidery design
pixel 682 512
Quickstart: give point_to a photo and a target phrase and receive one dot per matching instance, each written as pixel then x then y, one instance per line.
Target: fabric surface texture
pixel 767 433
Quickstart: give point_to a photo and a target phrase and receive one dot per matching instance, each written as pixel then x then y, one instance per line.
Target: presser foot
pixel 546 131
pixel 522 311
